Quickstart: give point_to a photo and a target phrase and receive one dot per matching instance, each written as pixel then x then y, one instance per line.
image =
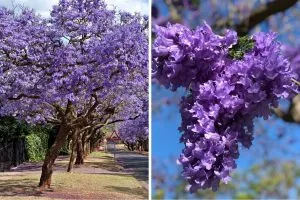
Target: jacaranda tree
pixel 78 70
pixel 134 133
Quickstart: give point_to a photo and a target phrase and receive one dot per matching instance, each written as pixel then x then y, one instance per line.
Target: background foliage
pixel 36 137
pixel 37 143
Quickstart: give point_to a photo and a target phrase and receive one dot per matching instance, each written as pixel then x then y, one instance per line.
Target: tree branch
pixel 292 115
pixel 262 14
pixel 54 121
pixel 20 96
pixel 93 107
pixel 259 15
pixel 121 120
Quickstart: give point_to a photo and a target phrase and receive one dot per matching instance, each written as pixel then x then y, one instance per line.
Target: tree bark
pixel 52 153
pixel 292 115
pixel 146 145
pixel 73 151
pixel 263 13
pixel 85 145
pixel 88 148
pixel 91 147
pixel 259 15
pixel 79 151
pixel 84 148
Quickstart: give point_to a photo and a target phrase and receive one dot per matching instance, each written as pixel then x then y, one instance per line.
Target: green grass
pixel 75 185
pixel 96 160
pixel 72 185
pixel 119 185
pixel 101 154
pixel 106 161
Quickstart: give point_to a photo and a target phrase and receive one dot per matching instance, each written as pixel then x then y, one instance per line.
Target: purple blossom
pixel 132 131
pixel 82 52
pixel 293 54
pixel 224 97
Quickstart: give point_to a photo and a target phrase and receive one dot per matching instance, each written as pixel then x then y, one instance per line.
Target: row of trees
pixel 135 133
pixel 80 70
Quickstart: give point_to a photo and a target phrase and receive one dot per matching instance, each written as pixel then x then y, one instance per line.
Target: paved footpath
pixel 133 162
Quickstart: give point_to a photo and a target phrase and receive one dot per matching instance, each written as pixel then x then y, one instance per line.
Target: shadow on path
pixel 128 190
pixel 114 182
pixel 135 163
pixel 19 187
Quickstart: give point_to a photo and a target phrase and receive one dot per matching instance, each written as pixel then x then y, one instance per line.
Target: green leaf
pixel 244 45
pixel 242 195
pixel 195 2
pixel 160 194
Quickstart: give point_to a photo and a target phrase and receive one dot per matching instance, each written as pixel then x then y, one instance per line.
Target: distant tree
pixel 269 179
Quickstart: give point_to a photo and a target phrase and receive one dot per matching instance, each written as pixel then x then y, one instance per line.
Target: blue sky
pixel 166 146
pixel 165 134
pixel 44 6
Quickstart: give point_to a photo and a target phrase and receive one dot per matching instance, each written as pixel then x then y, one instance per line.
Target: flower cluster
pixel 135 130
pixel 81 53
pixel 230 81
pixel 182 56
pixel 293 54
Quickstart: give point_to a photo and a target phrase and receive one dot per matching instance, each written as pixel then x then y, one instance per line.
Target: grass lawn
pixel 95 160
pixel 76 185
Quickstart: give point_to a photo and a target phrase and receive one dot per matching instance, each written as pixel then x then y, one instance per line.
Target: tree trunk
pixel 146 148
pixel 80 153
pixel 84 149
pixel 51 155
pixel 127 145
pixel 88 148
pixel 91 146
pixel 141 145
pixel 73 151
pixel 131 147
pixel 94 143
pixel 84 145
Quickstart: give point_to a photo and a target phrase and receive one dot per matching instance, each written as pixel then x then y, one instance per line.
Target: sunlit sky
pixel 44 6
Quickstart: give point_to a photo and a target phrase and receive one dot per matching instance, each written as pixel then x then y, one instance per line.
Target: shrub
pixel 34 147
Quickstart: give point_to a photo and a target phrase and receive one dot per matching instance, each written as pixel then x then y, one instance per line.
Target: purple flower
pixel 83 52
pixel 225 95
